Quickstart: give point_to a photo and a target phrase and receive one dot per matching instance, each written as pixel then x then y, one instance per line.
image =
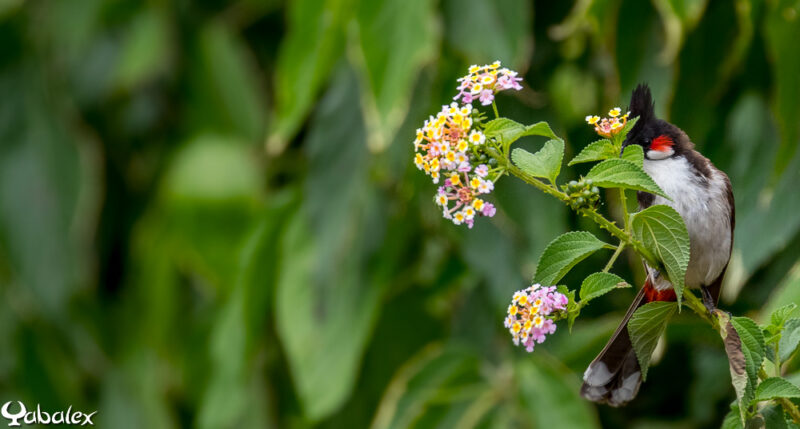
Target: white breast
pixel 705 210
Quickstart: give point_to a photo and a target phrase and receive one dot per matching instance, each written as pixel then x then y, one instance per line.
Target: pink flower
pixel 486 97
pixel 489 210
pixel 482 170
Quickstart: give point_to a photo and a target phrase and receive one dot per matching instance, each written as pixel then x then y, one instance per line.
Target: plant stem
pixel 614 257
pixel 494 107
pixel 525 177
pixel 625 215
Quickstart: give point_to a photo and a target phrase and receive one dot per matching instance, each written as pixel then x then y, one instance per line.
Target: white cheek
pixel 658 154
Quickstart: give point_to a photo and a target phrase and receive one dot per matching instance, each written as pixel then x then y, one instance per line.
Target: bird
pixel 701 193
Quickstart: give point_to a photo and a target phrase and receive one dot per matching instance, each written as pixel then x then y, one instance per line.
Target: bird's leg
pixel 708 300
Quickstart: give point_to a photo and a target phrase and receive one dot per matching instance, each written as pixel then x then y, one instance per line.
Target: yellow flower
pixel 495 65
pixel 487 79
pixel 592 119
pixel 475 182
pixel 527 326
pixel 442 200
pixel 435 164
pixel 516 327
pixel 522 299
pixel 454 179
pixel 476 89
pixel 451 156
pixel 462 145
pixel 473 69
pixel 435 176
pixel 512 310
pixel 538 321
pixel 614 112
pixel 478 204
pixel 465 110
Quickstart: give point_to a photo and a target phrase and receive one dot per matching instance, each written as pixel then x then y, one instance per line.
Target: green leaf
pixel 595 151
pixel 226 92
pixel 563 253
pixel 781 34
pixel 661 229
pixel 627 128
pixel 779 316
pixel 620 173
pixel 312 44
pixel 395 38
pixel 553 397
pixel 775 387
pixel 545 163
pixel 599 284
pixel 733 419
pixel 511 45
pixel 634 153
pixel 509 131
pixel 790 339
pixel 433 374
pixel 752 342
pixel 645 328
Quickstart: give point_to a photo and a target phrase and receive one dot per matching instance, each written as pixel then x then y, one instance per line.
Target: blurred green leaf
pixel 620 173
pixel 546 163
pixel 437 375
pixel 212 169
pixel 312 46
pixel 599 284
pixel 228 400
pixel 511 45
pixel 147 50
pixel 661 229
pixel 563 253
pixel 646 326
pixel 226 94
pixel 553 397
pixel 395 38
pixel 781 31
pixel 679 17
pixel 595 151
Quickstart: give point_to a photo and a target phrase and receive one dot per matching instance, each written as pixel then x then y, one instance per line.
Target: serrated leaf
pixel 732 419
pixel 509 131
pixel 661 229
pixel 545 163
pixel 628 127
pixel 779 316
pixel 595 151
pixel 645 328
pixel 621 173
pixel 563 253
pixel 634 153
pixel 790 339
pixel 599 284
pixel 752 342
pixel 775 387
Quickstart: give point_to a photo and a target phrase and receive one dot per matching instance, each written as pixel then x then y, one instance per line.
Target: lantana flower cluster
pixel 610 126
pixel 446 148
pixel 532 314
pixel 483 82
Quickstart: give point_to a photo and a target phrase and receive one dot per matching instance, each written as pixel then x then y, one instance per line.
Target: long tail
pixel 614 376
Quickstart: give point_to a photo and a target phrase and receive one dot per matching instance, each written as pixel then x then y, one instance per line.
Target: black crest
pixel 642 104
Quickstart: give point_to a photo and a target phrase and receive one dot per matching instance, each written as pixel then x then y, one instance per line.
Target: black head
pixel 658 138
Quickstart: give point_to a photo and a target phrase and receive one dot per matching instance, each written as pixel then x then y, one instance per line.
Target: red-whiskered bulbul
pixel 702 195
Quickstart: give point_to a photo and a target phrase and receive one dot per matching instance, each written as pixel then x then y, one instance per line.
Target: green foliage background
pixel 209 216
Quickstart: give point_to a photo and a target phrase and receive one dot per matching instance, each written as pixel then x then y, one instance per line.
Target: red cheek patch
pixel 661 143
